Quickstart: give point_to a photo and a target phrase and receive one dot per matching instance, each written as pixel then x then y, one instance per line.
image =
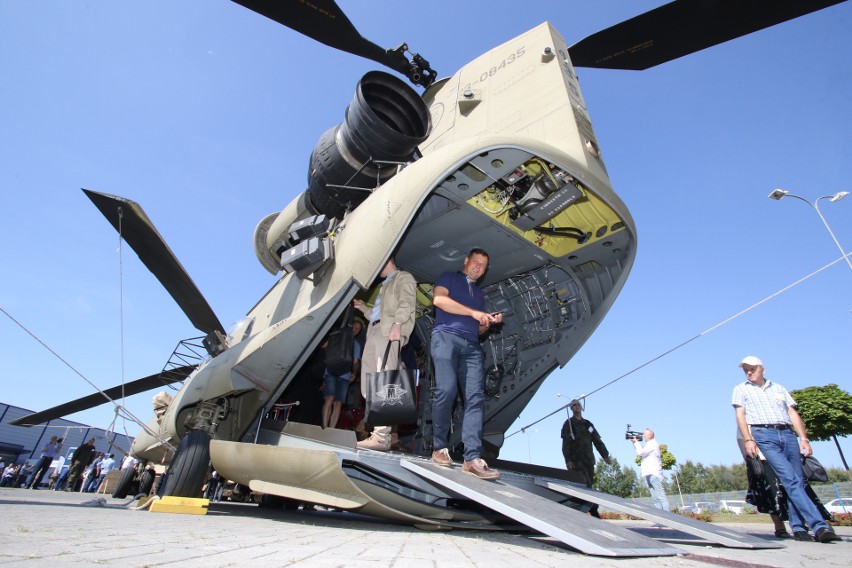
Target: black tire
pixel 146 481
pixel 188 470
pixel 267 501
pixel 125 481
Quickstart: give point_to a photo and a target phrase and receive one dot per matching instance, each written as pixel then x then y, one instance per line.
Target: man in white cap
pixel 768 420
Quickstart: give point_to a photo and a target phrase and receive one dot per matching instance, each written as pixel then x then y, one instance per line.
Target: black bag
pixel 754 466
pixel 813 469
pixel 353 396
pixel 391 394
pixel 339 349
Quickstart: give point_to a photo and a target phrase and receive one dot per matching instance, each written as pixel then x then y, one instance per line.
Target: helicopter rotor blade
pixel 324 21
pixel 139 232
pixel 91 401
pixel 683 27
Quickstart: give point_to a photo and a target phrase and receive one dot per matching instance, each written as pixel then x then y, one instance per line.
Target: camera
pixel 631 433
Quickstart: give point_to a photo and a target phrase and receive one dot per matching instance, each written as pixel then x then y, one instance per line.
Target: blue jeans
pixel 657 492
pixel 458 367
pixel 781 450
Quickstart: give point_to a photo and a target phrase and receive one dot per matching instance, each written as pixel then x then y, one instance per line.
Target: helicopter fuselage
pixel 511 165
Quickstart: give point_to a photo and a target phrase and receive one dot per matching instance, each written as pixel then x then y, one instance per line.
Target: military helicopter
pixel 501 155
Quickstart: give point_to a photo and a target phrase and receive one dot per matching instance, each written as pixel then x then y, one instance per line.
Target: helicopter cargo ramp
pixel 707 531
pixel 578 530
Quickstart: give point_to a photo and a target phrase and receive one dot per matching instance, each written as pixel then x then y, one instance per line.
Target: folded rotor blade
pixel 324 21
pixel 683 27
pixel 91 401
pixel 139 232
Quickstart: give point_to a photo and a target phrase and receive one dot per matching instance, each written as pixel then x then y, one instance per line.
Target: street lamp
pixel 778 194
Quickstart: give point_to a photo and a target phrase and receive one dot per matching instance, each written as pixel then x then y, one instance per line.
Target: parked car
pixel 735 506
pixel 838 505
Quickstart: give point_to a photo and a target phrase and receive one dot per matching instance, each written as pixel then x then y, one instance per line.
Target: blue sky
pixel 206 114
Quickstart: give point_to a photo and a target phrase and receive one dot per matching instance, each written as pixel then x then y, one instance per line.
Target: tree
pixel 692 477
pixel 614 479
pixel 835 475
pixel 668 459
pixel 827 412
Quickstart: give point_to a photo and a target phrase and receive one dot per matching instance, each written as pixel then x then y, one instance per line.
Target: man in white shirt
pixel 769 422
pixel 652 468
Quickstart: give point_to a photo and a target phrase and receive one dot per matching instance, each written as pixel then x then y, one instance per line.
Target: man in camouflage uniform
pixel 578 435
pixel 81 458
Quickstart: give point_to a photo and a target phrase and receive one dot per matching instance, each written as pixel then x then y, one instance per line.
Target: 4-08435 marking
pixel 496 69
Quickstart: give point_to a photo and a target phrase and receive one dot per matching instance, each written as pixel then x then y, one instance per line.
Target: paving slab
pixel 58 529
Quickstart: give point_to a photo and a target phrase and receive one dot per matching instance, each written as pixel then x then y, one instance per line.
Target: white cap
pixel 751 360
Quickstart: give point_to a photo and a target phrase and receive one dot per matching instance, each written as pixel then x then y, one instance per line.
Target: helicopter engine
pixel 382 127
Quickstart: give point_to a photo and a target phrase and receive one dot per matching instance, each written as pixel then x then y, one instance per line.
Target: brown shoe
pixel 373 443
pixel 442 458
pixel 480 469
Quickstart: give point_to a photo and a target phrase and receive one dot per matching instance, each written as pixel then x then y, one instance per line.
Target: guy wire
pixel 675 348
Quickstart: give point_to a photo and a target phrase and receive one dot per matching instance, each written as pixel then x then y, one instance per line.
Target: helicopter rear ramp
pixel 706 531
pixel 578 530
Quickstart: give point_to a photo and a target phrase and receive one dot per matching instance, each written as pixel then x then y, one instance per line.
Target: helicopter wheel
pixel 189 467
pixel 122 488
pixel 146 481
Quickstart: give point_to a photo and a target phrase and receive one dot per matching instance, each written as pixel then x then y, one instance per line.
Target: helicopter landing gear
pixel 146 481
pixel 122 488
pixel 188 471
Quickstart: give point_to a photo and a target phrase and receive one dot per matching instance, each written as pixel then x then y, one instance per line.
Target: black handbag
pixel 754 466
pixel 340 346
pixel 813 470
pixel 391 394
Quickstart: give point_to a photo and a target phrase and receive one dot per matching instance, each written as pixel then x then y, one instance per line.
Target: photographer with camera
pixel 578 435
pixel 652 466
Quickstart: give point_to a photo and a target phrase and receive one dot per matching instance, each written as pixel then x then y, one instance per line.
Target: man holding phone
pixel 459 361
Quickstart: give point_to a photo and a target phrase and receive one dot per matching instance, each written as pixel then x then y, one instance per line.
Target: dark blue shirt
pixel 465 293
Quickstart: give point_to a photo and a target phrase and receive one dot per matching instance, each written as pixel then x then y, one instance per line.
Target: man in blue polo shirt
pixel 458 359
pixel 768 420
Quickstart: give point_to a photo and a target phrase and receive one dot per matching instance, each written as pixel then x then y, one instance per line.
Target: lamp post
pixel 778 194
pixel 679 492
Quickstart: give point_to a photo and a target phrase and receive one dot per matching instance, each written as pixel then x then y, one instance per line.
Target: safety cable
pixel 124 411
pixel 121 298
pixel 675 348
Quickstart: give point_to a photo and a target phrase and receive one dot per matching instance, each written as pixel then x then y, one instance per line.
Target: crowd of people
pixel 385 336
pixel 85 473
pixel 456 353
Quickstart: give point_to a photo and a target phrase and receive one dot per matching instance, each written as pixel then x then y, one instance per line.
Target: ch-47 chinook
pixel 501 155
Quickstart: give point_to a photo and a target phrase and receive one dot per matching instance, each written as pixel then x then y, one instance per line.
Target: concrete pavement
pixel 56 529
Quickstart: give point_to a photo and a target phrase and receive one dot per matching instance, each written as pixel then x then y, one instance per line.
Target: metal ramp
pixel 578 530
pixel 707 531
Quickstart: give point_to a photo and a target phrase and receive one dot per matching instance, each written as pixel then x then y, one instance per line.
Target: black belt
pixel 377 322
pixel 773 426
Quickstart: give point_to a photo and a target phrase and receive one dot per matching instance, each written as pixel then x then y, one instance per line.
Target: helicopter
pixel 562 244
